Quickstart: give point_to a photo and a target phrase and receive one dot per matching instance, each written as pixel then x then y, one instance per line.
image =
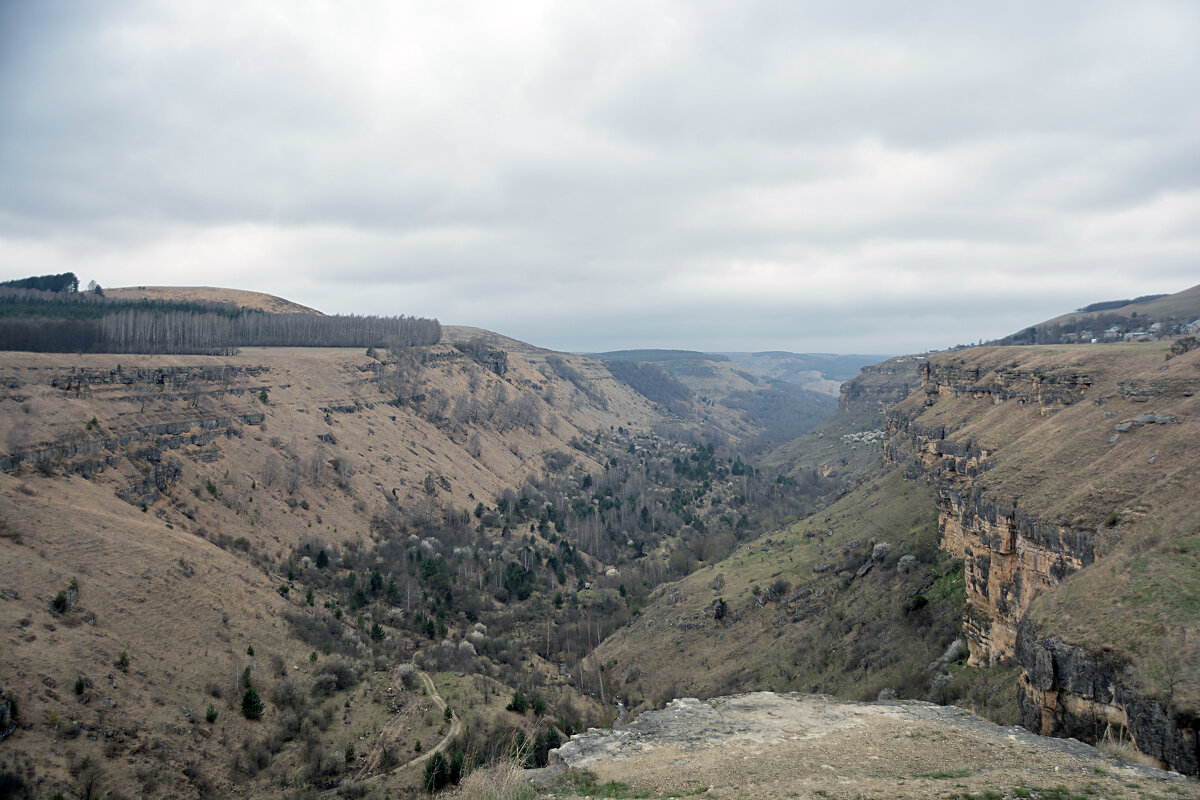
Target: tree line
pixel 45 322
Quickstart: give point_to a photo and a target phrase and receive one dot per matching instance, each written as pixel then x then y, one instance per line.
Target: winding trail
pixel 390 732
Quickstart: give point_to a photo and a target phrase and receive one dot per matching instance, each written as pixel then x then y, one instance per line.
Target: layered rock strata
pixel 1010 555
pixel 1067 691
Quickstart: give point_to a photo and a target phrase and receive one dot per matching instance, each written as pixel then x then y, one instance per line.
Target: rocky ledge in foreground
pixel 767 745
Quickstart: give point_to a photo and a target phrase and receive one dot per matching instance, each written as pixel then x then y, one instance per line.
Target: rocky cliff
pixel 1045 462
pixel 882 385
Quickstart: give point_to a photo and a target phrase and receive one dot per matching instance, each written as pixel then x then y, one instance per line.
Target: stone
pixel 1122 427
pixel 864 569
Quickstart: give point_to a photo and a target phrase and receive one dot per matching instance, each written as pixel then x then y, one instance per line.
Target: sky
pixel 870 177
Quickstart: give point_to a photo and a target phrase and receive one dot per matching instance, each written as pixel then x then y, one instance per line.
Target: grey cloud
pixel 781 174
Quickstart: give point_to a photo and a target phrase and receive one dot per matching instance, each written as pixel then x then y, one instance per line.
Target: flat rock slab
pixel 767 745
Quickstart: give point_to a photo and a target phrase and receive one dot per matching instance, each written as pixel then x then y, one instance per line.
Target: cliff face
pixel 1067 691
pixel 1043 465
pixel 881 386
pixel 1009 555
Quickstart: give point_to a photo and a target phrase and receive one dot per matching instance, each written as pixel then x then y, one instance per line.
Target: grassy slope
pixel 188 635
pixel 849 637
pixel 246 299
pixel 239 537
pixel 1142 599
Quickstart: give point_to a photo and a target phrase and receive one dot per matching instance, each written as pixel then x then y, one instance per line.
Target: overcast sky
pixel 810 176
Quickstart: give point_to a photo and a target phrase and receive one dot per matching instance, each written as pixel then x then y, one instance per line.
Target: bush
pixel 437 772
pixel 252 705
pixel 720 609
pixel 545 741
pixel 60 602
pixel 519 702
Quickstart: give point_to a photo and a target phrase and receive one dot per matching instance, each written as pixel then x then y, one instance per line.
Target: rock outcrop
pixel 772 745
pixel 1009 555
pixel 1067 691
pixel 1012 555
pixel 880 386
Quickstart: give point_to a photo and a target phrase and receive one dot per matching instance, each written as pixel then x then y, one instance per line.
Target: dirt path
pixel 391 731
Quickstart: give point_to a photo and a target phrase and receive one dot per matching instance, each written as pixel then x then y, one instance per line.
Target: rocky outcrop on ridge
pixel 770 745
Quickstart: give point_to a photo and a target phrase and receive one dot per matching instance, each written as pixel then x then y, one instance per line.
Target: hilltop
pixel 256 301
pixel 1152 317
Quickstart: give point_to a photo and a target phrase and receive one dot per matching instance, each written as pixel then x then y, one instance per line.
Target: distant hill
pixel 780 410
pixel 819 372
pixel 1119 318
pixel 655 356
pixel 241 298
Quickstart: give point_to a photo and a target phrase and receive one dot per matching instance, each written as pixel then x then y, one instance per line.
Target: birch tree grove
pixel 135 330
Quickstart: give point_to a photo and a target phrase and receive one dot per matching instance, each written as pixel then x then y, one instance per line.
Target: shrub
pixel 210 714
pixel 437 772
pixel 60 602
pixel 80 685
pixel 720 609
pixel 250 650
pixel 288 693
pixel 252 705
pixel 123 661
pixel 519 702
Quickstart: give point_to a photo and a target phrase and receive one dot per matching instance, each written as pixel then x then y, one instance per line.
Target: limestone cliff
pixel 1028 451
pixel 880 386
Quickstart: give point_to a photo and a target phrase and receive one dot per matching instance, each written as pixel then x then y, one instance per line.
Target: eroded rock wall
pixel 1010 556
pixel 1067 691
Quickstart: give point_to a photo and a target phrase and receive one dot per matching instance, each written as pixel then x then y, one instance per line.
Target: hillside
pixel 241 298
pixel 776 410
pixel 1065 480
pixel 818 372
pixel 303 522
pixel 1164 315
pixel 1057 483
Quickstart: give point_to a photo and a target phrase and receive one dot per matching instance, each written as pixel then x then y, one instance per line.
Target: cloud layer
pixel 875 177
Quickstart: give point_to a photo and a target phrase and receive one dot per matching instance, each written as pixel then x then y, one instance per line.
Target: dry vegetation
pixel 279 510
pixel 1131 486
